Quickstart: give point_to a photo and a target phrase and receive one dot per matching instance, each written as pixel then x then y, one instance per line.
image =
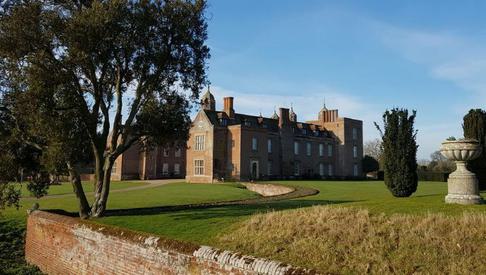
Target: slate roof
pixel 217 118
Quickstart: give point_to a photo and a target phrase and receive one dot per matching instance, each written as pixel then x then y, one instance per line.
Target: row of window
pixel 199 168
pixel 309 149
pixel 322 169
pixel 254 147
pixel 199 146
pixel 165 169
pixel 177 154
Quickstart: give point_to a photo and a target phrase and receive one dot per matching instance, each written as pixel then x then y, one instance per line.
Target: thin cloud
pixel 447 56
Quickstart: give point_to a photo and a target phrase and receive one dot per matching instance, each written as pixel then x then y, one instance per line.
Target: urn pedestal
pixel 462 183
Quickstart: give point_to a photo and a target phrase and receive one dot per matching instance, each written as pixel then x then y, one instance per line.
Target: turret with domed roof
pixel 208 102
pixel 275 115
pixel 292 115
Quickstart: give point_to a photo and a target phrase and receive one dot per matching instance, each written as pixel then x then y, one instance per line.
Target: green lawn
pixel 203 225
pixel 170 194
pixel 213 226
pixel 67 188
pixel 374 196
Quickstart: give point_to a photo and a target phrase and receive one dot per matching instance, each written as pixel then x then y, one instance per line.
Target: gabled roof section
pixel 221 119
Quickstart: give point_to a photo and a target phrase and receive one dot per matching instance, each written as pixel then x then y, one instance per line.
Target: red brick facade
pixel 244 147
pixel 64 245
pixel 227 145
pixel 159 163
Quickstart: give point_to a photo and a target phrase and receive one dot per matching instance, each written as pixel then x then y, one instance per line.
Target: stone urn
pixel 462 184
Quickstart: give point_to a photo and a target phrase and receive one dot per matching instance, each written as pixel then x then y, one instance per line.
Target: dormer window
pixel 316 133
pixel 304 131
pixel 224 122
pixel 247 123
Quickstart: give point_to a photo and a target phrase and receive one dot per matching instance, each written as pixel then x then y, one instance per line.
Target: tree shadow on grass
pixel 429 195
pixel 208 210
pixel 243 210
pixel 220 210
pixel 225 208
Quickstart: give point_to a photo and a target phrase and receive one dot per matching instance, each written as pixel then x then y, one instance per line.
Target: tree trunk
pixel 78 190
pixel 101 195
pixel 98 183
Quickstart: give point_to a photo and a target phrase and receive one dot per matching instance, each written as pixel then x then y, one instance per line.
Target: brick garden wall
pixel 64 245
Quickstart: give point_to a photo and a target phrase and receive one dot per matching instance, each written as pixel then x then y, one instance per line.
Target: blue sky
pixel 362 56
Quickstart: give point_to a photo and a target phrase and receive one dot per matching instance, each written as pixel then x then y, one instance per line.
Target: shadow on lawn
pixel 219 210
pixel 244 210
pixel 225 209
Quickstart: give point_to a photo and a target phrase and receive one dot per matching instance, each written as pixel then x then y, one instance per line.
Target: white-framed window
pixel 355 133
pixel 177 169
pixel 308 149
pixel 199 143
pixel 355 151
pixel 330 170
pixel 355 170
pixel 269 168
pixel 321 150
pixel 321 169
pixel 166 152
pixel 329 150
pixel 198 167
pixel 254 144
pixel 269 145
pixel 296 147
pixel 178 153
pixel 165 169
pixel 296 168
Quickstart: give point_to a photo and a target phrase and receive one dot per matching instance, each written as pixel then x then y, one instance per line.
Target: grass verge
pixel 351 240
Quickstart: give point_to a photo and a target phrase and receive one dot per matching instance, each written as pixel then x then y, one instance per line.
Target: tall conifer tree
pixel 399 152
pixel 474 127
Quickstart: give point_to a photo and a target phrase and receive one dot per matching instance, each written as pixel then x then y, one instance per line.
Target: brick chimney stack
pixel 283 119
pixel 228 107
pixel 328 115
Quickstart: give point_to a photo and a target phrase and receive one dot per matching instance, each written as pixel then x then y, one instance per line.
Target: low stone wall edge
pixel 155 254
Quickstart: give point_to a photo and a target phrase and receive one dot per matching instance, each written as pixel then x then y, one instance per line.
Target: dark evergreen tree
pixel 399 152
pixel 370 164
pixel 474 127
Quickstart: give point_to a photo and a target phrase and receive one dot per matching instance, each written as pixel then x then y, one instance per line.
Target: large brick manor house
pixel 227 145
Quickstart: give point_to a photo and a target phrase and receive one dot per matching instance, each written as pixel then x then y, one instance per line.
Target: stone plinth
pixel 462 184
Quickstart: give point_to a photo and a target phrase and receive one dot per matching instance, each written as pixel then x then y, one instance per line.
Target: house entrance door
pixel 254 169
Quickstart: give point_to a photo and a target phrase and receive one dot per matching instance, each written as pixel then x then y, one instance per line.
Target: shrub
pixel 475 127
pixel 370 164
pixel 399 152
pixel 12 250
pixel 432 176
